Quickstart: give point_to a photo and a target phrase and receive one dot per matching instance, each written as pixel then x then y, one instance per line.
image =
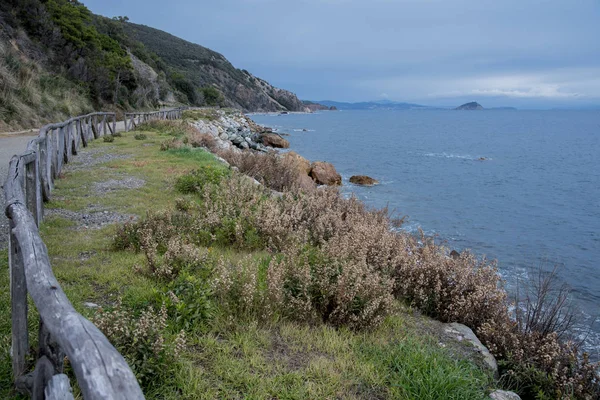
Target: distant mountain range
pixel 390 105
pixel 373 105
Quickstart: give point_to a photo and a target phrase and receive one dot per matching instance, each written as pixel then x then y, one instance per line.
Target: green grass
pixel 225 358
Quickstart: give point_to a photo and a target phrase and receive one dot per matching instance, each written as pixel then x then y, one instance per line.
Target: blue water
pixel 534 201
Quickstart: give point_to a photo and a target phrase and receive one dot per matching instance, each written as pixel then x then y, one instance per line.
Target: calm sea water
pixel 534 201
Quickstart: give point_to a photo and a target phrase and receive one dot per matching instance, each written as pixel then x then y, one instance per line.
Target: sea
pixel 520 187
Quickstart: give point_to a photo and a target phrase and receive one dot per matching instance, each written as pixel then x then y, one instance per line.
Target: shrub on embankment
pixel 336 261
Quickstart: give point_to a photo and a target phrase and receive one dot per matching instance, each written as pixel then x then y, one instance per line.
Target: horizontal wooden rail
pixel 132 120
pixel 101 372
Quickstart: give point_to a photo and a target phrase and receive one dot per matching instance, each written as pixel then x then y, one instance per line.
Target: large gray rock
pixel 504 395
pixel 462 332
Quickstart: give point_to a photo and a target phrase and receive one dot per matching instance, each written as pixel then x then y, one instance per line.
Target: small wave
pixel 459 156
pixel 304 130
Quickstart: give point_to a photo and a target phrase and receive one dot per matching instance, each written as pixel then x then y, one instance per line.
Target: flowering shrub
pixel 273 171
pixel 337 261
pixel 143 341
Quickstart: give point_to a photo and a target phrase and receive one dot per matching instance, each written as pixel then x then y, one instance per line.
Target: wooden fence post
pixel 31 189
pixel 18 298
pixel 61 150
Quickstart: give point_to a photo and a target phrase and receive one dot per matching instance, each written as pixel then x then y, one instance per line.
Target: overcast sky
pixel 524 53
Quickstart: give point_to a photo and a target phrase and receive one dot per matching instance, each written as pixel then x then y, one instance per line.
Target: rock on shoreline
pixel 363 180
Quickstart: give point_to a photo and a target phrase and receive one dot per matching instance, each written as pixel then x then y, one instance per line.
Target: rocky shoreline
pixel 235 131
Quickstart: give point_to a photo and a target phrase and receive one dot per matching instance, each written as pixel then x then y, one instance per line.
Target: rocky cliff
pixel 193 68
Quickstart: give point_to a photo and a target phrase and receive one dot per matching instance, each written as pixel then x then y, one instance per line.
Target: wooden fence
pixel 101 371
pixel 134 119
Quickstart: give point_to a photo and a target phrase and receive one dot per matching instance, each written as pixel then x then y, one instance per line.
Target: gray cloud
pixel 535 52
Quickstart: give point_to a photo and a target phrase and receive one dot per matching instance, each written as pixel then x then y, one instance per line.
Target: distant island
pixel 470 106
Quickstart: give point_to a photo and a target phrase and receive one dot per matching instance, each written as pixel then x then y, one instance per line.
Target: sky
pixel 520 53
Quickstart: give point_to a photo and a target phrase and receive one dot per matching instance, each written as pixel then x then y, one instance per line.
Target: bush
pixel 143 340
pixel 140 136
pixel 108 138
pixel 117 134
pixel 190 300
pixel 203 140
pixel 273 171
pixel 196 180
pixel 337 261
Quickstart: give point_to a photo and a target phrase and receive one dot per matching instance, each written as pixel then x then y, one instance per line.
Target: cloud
pixel 409 49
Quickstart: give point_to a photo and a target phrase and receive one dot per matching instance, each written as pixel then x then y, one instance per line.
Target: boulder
pixel 363 180
pixel 324 173
pixel 298 162
pixel 504 395
pixel 462 332
pixel 274 140
pixel 305 182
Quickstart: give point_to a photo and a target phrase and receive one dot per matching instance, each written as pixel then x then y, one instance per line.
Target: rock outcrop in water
pixel 470 106
pixel 363 180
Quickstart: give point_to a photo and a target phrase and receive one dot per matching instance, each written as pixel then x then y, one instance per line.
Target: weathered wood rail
pixel 101 372
pixel 132 120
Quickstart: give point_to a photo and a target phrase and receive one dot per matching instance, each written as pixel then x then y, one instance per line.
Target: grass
pixel 30 96
pixel 226 358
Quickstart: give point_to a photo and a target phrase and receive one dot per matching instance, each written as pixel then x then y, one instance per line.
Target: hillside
pixel 57 59
pixel 202 67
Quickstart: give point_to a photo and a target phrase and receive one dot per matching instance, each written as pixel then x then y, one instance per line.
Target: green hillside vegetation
pixel 57 59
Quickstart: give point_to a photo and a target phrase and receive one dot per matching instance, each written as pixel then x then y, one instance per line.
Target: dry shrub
pixel 304 286
pixel 537 364
pixel 143 340
pixel 206 140
pixel 273 171
pixel 170 144
pixel 350 267
pixel 465 290
pixel 179 256
pixel 341 292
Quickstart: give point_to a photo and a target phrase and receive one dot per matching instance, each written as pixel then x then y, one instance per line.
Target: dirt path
pixel 10 144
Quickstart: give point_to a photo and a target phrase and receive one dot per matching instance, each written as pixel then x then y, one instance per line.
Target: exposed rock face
pixel 363 180
pixel 462 332
pixel 274 140
pixel 470 106
pixel 202 67
pixel 504 395
pixel 298 162
pixel 324 173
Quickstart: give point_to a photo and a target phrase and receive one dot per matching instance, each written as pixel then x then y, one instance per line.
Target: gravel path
pixel 11 144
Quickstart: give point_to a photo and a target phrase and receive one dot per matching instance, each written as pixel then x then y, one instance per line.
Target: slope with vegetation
pixel 227 290
pixel 57 59
pixel 194 293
